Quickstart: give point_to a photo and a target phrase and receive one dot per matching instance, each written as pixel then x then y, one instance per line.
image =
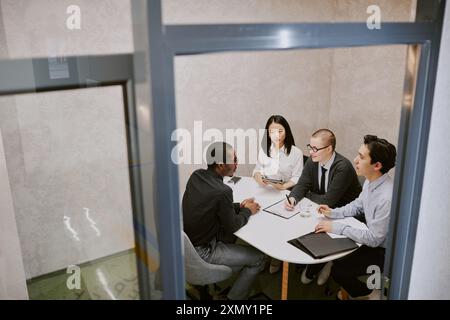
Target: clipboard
pixel 320 245
pixel 278 209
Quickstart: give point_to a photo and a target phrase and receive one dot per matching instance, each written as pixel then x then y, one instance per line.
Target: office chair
pixel 200 273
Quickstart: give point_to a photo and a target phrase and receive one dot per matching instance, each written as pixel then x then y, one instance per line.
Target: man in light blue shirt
pixel 375 158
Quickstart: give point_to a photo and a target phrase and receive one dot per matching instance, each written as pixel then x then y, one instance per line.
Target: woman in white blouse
pixel 278 160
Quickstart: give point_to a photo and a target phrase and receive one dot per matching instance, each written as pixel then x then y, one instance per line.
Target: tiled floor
pixel 270 284
pixel 110 278
pixel 115 278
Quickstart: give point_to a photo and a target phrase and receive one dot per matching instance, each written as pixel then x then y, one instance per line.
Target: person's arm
pixel 287 185
pixel 377 230
pixel 231 218
pixel 297 169
pixel 304 183
pixel 350 210
pixel 336 188
pixel 238 209
pixel 257 172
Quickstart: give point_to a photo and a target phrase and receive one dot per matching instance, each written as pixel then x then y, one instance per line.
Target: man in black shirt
pixel 210 218
pixel 327 178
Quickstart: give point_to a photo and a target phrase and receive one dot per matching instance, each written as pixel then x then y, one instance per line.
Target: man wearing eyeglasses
pixel 327 178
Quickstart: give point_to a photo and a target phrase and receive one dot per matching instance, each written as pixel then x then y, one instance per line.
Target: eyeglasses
pixel 315 149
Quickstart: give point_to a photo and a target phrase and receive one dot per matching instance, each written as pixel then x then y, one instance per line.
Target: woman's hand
pixel 259 179
pixel 278 186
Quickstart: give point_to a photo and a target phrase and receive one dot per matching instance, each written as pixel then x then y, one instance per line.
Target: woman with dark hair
pixel 280 162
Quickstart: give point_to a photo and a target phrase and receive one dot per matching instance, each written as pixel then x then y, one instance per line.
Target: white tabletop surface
pixel 269 233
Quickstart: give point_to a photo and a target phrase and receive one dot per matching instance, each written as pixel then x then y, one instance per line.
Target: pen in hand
pixel 289 201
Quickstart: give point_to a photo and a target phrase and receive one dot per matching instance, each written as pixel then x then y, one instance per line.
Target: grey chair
pixel 200 273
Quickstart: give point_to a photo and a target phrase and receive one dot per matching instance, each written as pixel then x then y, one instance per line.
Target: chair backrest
pixel 198 271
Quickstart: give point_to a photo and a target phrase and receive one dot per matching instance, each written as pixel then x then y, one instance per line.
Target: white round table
pixel 269 233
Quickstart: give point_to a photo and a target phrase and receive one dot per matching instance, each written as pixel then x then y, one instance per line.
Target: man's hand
pixel 324 209
pixel 249 200
pixel 291 204
pixel 323 226
pixel 253 207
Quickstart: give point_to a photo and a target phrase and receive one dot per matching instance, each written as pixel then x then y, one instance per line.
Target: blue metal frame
pixel 194 39
pixel 166 42
pixel 167 200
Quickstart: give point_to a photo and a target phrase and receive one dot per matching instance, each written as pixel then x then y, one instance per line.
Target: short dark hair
pixel 327 135
pixel 288 139
pixel 380 150
pixel 218 152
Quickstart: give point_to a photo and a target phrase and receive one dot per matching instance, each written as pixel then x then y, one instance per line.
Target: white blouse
pixel 280 165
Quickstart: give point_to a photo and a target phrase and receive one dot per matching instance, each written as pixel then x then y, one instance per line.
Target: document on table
pixel 279 209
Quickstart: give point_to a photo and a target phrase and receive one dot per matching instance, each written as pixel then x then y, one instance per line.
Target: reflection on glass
pixel 67 161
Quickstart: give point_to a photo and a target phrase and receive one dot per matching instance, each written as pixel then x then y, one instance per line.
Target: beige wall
pixel 366 94
pixel 37 28
pixel 12 273
pixel 284 11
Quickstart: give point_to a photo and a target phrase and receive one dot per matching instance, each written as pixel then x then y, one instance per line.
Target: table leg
pixel 284 280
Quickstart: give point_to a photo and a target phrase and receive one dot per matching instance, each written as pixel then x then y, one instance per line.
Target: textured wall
pixel 37 28
pixel 284 11
pixel 366 95
pixel 3 47
pixel 12 273
pixel 66 151
pixel 430 276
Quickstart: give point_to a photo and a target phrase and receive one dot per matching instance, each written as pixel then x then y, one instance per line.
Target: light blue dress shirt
pixel 375 202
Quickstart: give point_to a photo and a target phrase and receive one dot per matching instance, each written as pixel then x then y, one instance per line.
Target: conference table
pixel 269 233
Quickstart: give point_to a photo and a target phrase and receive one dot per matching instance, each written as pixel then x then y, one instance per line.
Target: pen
pixel 289 201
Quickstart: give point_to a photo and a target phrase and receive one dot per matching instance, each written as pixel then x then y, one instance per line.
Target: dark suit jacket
pixel 343 185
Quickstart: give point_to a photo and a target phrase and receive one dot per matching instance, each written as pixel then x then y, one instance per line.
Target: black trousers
pixel 346 271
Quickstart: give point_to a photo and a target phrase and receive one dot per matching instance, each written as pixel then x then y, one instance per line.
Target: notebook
pixel 320 245
pixel 278 209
